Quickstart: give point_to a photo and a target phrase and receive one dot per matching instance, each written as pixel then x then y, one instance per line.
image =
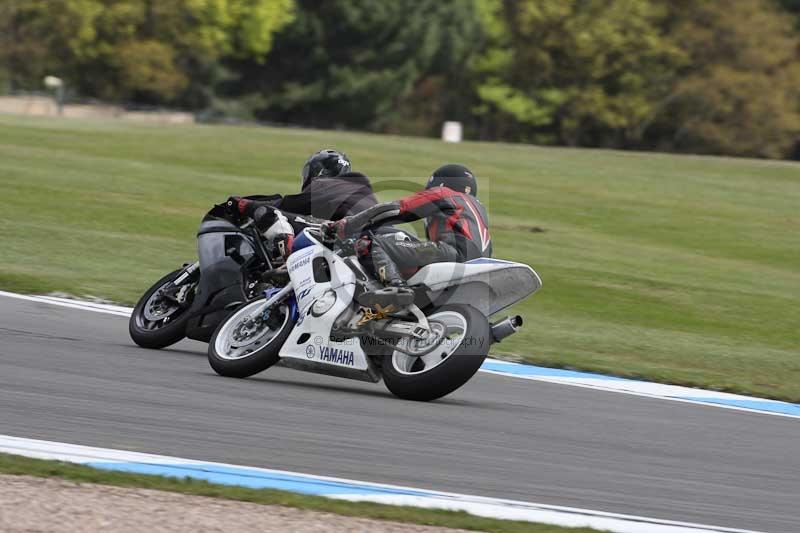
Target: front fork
pixel 187 273
pixel 172 291
pixel 275 296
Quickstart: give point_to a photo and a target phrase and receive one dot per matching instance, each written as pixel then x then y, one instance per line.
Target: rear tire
pixel 449 366
pixel 157 336
pixel 244 345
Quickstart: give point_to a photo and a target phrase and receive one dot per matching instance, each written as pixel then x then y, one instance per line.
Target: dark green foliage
pixel 705 76
pixel 146 51
pixel 577 73
pixel 351 63
pixel 739 94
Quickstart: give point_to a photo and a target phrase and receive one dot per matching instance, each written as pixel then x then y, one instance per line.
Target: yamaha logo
pixel 336 355
pixel 310 352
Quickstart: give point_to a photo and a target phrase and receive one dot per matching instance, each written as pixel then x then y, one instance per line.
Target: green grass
pixel 678 269
pixel 16 465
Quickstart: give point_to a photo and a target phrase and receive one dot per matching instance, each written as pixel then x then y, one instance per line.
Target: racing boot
pixel 395 291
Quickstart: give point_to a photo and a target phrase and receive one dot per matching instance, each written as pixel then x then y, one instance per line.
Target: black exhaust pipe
pixel 508 326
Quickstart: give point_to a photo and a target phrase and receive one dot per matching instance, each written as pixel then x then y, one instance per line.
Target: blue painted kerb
pixel 533 370
pixel 772 406
pixel 756 404
pixel 253 478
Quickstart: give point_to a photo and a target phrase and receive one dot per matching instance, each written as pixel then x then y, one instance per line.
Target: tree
pixel 586 72
pixel 39 37
pixel 793 6
pixel 145 50
pixel 355 63
pixel 740 93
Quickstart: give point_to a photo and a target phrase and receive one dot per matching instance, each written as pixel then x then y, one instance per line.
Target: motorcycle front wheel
pixel 463 338
pixel 159 318
pixel 248 341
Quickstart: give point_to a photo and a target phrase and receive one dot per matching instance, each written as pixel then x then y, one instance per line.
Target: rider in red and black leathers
pixel 456 226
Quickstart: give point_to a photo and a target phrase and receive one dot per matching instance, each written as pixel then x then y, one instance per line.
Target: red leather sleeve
pixel 428 202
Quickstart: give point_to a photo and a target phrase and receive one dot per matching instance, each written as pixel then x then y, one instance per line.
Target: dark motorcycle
pixel 236 264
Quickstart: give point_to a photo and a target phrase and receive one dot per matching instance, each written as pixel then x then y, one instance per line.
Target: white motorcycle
pixel 423 351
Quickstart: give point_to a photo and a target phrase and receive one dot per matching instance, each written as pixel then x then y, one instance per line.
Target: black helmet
pixel 456 177
pixel 324 164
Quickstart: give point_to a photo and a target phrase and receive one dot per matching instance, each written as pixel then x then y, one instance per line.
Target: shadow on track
pixel 379 391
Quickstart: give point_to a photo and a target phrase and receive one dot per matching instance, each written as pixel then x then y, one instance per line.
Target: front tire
pixel 245 343
pixel 467 338
pixel 156 321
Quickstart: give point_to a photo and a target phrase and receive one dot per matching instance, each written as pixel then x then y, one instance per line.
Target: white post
pixel 51 82
pixel 452 132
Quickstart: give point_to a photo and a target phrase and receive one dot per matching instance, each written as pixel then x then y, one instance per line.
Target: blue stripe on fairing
pixel 302 241
pixel 292 301
pixel 293 311
pixel 531 370
pixel 772 406
pixel 253 478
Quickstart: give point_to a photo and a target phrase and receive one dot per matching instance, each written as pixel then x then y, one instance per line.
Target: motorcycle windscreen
pixel 222 254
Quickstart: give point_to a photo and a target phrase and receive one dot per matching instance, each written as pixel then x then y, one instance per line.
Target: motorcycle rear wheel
pixel 467 338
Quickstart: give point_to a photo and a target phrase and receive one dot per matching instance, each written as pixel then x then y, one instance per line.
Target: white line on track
pixel 346 489
pixel 73 304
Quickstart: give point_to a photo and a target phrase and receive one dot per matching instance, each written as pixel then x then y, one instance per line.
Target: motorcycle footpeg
pixel 397 296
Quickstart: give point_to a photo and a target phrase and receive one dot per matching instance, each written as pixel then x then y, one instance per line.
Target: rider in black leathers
pixel 330 190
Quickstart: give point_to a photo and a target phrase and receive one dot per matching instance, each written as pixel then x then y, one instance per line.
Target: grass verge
pixel 17 465
pixel 676 269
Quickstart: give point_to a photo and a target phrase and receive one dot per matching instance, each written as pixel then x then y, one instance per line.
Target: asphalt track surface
pixel 74 376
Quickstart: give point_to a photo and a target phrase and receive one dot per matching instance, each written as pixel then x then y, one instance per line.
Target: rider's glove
pixel 239 209
pixel 333 229
pixel 362 246
pixel 236 206
pixel 232 206
pixel 240 205
pixel 231 210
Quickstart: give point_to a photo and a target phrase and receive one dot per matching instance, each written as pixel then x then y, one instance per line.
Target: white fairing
pixel 490 285
pixel 309 346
